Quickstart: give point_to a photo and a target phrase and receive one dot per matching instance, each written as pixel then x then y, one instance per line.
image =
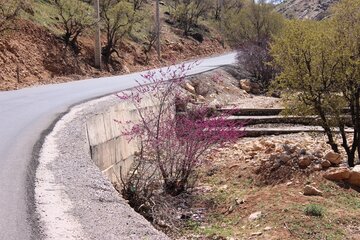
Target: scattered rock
pixel 250 87
pixel 266 143
pixel 255 216
pixel 318 154
pixel 325 164
pixel 311 191
pixel 333 157
pixel 239 201
pixel 289 149
pixel 201 98
pixel 317 167
pixel 304 161
pixel 355 176
pixel 245 84
pixel 231 209
pixel 223 188
pixel 302 151
pixel 285 158
pixel 214 104
pixel 256 234
pixel 190 88
pixel 267 228
pixel 202 88
pixel 338 174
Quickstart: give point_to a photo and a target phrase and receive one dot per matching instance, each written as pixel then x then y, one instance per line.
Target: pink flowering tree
pixel 174 144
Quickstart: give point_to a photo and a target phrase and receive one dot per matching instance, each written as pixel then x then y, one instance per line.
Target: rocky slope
pixel 310 9
pixel 34 54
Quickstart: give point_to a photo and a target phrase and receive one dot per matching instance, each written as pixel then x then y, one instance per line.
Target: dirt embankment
pixel 32 55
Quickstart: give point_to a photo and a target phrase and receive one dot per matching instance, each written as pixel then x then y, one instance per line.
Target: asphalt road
pixel 25 117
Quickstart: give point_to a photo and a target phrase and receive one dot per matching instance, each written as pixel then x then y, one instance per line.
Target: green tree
pixel 251 29
pixel 346 22
pixel 320 63
pixel 118 19
pixel 188 12
pixel 254 22
pixel 304 52
pixel 75 17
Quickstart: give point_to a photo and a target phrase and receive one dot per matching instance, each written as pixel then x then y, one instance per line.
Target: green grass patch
pixel 314 210
pixel 44 15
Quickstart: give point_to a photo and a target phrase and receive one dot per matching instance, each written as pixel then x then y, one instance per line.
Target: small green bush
pixel 314 210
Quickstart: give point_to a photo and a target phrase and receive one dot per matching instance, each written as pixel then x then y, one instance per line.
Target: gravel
pixel 73 198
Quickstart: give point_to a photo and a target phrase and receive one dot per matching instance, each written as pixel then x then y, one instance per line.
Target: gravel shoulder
pixel 73 199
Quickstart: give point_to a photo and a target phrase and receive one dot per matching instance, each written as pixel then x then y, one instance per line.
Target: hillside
pixel 310 9
pixel 35 54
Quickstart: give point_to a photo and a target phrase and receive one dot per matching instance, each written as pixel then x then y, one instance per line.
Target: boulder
pixel 334 158
pixel 325 164
pixel 255 216
pixel 356 168
pixel 337 174
pixel 355 176
pixel 245 84
pixel 250 87
pixel 304 161
pixel 311 191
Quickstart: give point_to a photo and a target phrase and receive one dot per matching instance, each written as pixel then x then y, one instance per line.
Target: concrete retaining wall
pixel 111 151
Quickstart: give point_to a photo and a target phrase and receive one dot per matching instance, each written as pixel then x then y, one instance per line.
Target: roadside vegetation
pixel 196 175
pixel 127 42
pixel 264 188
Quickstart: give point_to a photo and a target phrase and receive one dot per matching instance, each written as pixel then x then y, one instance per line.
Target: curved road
pixel 24 117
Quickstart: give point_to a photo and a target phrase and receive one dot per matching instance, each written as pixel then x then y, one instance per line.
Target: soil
pixel 32 55
pixel 234 183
